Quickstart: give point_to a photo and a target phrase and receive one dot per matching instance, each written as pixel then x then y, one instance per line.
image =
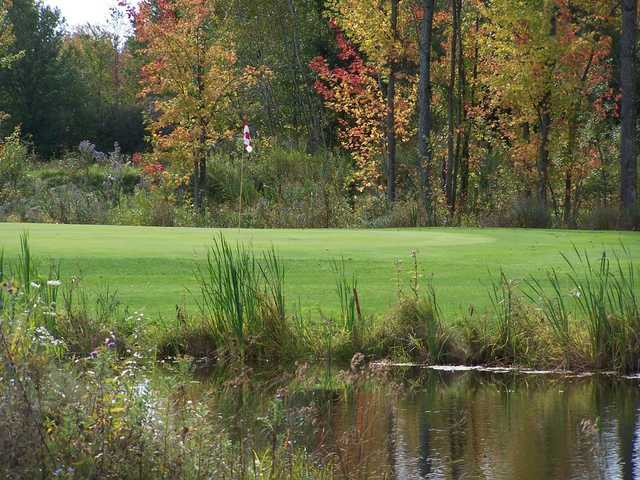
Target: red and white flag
pixel 246 135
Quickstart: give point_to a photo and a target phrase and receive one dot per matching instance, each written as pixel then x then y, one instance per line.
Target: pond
pixel 455 425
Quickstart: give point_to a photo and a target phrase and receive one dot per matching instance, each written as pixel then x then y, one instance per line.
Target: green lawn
pixel 152 268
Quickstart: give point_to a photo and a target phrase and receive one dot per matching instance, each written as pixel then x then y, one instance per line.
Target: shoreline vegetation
pixel 585 319
pixel 76 365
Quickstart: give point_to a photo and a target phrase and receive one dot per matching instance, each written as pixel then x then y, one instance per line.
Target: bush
pixel 603 218
pixel 375 212
pixel 529 213
pixel 14 158
pixel 631 218
pixel 70 204
pixel 242 302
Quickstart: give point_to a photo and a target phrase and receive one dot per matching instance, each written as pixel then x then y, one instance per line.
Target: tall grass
pixel 350 311
pixel 229 286
pixel 607 297
pixel 242 297
pixel 554 306
pixel 586 318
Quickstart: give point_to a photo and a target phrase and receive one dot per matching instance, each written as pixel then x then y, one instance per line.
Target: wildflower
pixel 110 341
pixel 54 283
pixel 35 285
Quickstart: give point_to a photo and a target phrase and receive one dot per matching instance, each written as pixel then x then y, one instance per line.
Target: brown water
pixel 471 425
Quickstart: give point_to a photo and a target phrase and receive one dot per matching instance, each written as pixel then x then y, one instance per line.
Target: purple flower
pixel 110 341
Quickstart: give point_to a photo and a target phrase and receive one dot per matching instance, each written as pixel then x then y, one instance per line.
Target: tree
pixel 191 79
pixel 628 162
pixel 391 101
pixel 385 33
pixel 41 91
pixel 108 70
pixel 6 41
pixel 291 34
pixel 352 90
pixel 6 37
pixel 425 154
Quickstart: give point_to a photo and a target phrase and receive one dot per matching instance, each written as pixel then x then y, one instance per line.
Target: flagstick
pixel 241 185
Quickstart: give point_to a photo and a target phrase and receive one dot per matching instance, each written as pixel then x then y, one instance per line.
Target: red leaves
pixel 352 76
pixel 153 169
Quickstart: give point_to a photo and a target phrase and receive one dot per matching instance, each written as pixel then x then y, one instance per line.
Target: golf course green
pixel 152 268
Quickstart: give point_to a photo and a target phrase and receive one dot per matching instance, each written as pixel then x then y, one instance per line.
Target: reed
pixel 242 297
pixel 606 296
pixel 352 321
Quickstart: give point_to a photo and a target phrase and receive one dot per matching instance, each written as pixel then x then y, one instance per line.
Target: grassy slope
pixel 150 267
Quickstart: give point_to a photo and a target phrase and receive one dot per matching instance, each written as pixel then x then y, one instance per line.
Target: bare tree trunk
pixel 200 184
pixel 391 113
pixel 308 108
pixel 460 113
pixel 451 99
pixel 628 162
pixel 464 170
pixel 544 124
pixel 567 211
pixel 424 110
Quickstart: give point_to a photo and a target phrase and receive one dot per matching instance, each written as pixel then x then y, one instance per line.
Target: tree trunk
pixel 424 110
pixel 543 150
pixel 391 113
pixel 460 113
pixel 464 170
pixel 201 160
pixel 201 171
pixel 566 214
pixel 628 163
pixel 451 99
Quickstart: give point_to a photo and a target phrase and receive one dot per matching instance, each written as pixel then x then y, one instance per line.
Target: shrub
pixel 603 218
pixel 14 158
pixel 529 213
pixel 71 204
pixel 375 212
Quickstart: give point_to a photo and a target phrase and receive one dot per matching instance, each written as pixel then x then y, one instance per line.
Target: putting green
pixel 152 268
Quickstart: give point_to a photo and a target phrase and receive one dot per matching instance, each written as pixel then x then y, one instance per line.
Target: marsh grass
pixel 605 295
pixel 57 315
pixel 509 337
pixel 242 299
pixel 414 330
pixel 352 321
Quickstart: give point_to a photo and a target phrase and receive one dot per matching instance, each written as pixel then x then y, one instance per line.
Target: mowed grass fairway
pixel 152 268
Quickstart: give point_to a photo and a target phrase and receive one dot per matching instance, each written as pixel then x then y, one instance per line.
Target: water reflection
pixel 472 425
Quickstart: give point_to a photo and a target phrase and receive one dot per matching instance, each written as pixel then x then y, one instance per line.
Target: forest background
pixel 363 113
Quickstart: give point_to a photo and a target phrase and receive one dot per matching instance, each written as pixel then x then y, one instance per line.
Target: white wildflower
pixel 54 283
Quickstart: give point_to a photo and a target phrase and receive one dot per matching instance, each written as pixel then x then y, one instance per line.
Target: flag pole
pixel 241 185
pixel 247 148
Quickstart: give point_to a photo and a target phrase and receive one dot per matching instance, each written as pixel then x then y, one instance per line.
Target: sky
pixel 79 12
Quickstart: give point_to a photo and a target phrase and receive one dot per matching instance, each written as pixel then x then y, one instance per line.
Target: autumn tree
pixel 191 79
pixel 6 36
pixel 351 89
pixel 385 33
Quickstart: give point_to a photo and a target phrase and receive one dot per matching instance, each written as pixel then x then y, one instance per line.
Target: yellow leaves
pixel 367 23
pixel 192 76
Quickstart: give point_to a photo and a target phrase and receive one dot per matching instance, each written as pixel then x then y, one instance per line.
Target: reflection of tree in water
pixel 456 426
